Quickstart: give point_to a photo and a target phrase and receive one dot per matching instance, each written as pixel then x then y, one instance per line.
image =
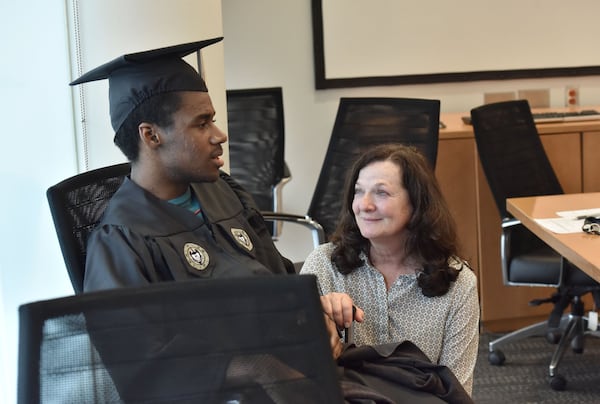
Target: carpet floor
pixel 524 376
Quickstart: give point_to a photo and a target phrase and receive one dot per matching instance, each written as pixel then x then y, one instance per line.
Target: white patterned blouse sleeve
pixel 319 263
pixel 461 340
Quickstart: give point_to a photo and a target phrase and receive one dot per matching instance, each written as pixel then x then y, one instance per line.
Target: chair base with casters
pixel 574 332
pixel 566 330
pixel 496 356
pixel 574 329
pixel 561 329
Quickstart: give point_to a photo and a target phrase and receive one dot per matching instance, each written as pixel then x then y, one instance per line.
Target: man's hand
pixel 338 306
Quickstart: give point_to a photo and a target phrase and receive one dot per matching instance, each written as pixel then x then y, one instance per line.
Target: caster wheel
pixel 577 344
pixel 558 382
pixel 496 358
pixel 553 336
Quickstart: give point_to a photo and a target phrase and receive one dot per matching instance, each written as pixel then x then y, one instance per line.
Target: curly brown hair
pixel 432 232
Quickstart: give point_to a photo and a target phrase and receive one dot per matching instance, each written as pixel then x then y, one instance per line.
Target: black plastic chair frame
pixel 76 205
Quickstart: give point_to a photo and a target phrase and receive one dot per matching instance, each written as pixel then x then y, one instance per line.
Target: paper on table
pixel 570 221
pixel 562 225
pixel 579 214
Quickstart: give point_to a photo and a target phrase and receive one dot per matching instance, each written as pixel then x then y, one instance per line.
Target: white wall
pixel 269 43
pixel 39 141
pixel 38 150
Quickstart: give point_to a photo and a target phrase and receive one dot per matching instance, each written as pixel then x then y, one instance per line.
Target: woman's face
pixel 381 204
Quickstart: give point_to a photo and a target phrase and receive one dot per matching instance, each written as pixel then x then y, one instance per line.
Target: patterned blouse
pixel 444 327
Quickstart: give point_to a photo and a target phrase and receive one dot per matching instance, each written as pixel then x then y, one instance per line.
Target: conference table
pixel 580 248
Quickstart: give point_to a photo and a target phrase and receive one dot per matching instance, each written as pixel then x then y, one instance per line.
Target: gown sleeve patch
pixel 196 256
pixel 242 238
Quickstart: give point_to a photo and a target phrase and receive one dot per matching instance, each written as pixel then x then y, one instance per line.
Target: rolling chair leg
pixel 536 329
pixel 572 336
pixel 496 356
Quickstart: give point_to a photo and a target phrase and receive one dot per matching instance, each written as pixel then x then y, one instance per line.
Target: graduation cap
pixel 135 77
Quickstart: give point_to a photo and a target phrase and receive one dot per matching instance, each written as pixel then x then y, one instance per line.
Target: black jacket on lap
pixel 396 373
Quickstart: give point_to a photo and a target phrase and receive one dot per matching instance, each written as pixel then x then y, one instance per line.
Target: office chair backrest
pixel 77 204
pixel 511 152
pixel 243 340
pixel 364 122
pixel 256 133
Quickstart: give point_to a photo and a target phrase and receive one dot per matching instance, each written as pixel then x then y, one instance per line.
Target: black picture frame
pixel 323 82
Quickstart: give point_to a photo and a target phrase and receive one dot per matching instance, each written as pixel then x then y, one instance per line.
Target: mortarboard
pixel 135 77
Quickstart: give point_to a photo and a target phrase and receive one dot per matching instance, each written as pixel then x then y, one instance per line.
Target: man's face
pixel 191 149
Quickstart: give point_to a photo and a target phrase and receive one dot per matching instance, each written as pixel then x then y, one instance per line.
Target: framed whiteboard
pixel 390 42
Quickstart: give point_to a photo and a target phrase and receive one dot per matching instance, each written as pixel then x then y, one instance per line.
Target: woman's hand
pixel 334 337
pixel 339 307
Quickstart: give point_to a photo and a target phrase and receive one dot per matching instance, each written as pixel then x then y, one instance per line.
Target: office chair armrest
pixel 505 251
pixel 278 198
pixel 278 188
pixel 317 231
pixel 509 222
pixel 286 171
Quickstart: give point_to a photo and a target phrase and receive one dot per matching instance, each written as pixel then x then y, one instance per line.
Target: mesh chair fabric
pixel 511 152
pixel 250 340
pixel 77 205
pixel 255 126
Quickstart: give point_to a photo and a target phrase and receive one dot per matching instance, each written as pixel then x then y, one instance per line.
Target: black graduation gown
pixel 143 239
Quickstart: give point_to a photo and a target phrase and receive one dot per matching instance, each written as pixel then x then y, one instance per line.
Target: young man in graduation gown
pixel 177 216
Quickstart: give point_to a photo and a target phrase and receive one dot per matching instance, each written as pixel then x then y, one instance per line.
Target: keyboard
pixel 550 117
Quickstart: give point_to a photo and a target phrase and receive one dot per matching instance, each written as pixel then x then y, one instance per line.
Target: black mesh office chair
pixel 362 123
pixel 256 133
pixel 515 165
pixel 77 204
pixel 243 340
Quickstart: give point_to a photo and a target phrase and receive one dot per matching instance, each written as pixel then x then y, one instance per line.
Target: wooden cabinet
pixel 564 152
pixel 572 151
pixel 591 161
pixel 455 171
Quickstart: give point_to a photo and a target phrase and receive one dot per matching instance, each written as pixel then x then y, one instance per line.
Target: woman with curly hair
pixel 394 259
